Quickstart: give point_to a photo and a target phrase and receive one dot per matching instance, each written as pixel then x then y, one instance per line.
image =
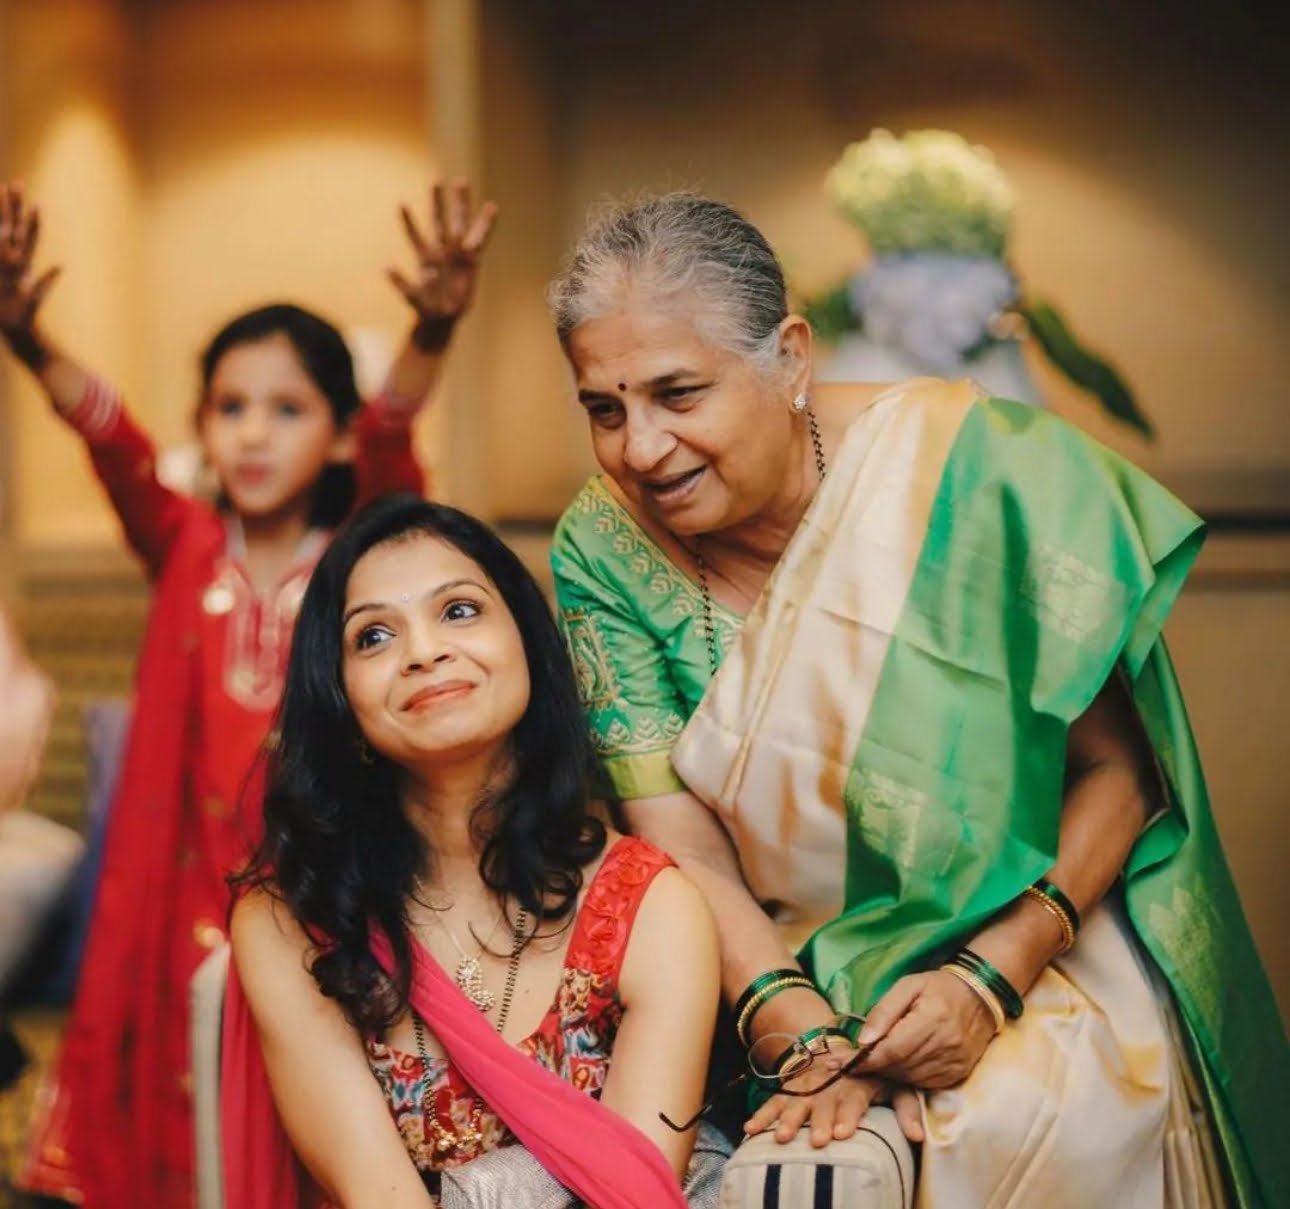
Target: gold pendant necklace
pixel 469 975
pixel 469 972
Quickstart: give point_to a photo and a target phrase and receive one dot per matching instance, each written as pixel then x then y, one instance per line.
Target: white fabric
pixel 1082 1102
pixel 206 1016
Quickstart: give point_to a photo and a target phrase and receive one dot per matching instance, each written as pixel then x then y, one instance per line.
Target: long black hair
pixel 326 359
pixel 338 848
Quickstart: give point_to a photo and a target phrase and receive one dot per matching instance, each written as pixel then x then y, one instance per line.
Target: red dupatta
pixel 599 1156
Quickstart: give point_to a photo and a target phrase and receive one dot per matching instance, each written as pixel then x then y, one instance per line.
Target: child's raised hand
pixel 443 285
pixel 20 296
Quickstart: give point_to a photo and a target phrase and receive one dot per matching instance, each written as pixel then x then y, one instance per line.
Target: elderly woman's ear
pixel 796 348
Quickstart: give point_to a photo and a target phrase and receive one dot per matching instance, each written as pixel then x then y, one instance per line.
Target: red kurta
pixel 115 1129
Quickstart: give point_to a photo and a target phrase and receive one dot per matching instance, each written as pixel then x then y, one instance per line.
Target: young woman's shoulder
pixel 673 901
pixel 270 948
pixel 674 936
pixel 260 917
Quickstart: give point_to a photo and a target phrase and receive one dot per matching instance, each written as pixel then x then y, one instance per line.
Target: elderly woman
pixel 882 668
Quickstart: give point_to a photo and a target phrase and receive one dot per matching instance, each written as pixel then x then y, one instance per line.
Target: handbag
pixel 872 1169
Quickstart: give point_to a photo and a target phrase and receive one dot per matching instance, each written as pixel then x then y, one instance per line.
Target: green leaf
pixel 1083 367
pixel 831 315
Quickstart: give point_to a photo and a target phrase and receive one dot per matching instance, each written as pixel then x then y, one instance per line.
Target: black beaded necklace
pixel 709 626
pixel 446 1140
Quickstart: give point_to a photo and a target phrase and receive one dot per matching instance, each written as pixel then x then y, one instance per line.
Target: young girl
pixel 284 431
pixel 427 825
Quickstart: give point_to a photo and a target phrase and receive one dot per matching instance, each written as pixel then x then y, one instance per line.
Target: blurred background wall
pixel 195 157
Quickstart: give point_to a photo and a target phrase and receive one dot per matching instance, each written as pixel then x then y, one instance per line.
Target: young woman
pixel 292 447
pixel 444 952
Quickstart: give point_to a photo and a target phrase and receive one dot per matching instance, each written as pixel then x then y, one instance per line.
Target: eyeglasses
pixel 778 1058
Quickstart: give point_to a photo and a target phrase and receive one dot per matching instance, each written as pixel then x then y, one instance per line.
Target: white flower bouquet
pixel 936 212
pixel 930 191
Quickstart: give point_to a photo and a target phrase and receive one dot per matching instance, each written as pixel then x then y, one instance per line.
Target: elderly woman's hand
pixel 836 1110
pixel 931 1031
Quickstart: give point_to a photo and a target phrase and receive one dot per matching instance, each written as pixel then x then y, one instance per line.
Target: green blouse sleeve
pixel 634 708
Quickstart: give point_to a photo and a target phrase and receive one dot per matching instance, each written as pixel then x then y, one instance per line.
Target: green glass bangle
pixel 1007 994
pixel 849 1028
pixel 760 983
pixel 814 1034
pixel 848 1031
pixel 1055 895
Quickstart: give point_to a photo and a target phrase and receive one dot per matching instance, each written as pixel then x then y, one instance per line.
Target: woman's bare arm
pixel 670 986
pixel 328 1098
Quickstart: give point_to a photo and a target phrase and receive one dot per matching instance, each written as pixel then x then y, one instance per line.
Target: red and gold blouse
pixel 441 1120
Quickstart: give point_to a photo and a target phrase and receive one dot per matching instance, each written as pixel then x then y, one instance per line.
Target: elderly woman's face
pixel 690 431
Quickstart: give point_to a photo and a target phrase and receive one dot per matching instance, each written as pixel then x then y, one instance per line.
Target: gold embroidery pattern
pixel 215 808
pixel 1191 930
pixel 1065 593
pixel 599 689
pixel 597 683
pixel 258 636
pixel 620 727
pixel 903 824
pixel 637 551
pixel 647 735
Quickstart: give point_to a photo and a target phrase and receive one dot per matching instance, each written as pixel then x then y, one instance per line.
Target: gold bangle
pixel 769 991
pixel 1059 916
pixel 987 996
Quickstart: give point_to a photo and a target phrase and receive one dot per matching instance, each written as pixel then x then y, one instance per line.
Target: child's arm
pixel 440 293
pixel 123 456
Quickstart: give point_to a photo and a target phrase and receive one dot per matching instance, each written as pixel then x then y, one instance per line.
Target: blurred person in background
pixel 37 855
pixel 293 449
pixel 26 707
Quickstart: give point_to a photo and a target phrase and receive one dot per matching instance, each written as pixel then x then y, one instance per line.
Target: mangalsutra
pixel 445 1138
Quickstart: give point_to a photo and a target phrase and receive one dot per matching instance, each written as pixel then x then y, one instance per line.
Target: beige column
pixel 457 432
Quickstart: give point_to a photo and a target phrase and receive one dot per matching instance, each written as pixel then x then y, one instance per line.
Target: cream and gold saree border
pixel 801 675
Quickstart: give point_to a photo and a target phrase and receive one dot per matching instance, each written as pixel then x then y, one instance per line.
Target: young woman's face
pixel 267 429
pixel 689 431
pixel 432 660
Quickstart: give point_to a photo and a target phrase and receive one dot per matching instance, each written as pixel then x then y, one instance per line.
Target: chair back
pixel 206 1019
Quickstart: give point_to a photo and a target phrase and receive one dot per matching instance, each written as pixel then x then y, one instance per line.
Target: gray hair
pixel 672 245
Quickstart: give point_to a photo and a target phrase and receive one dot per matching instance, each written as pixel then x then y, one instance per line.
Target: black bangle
pixel 1008 997
pixel 28 348
pixel 433 335
pixel 1048 890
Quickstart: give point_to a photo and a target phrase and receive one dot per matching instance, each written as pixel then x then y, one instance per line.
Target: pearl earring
pixel 800 404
